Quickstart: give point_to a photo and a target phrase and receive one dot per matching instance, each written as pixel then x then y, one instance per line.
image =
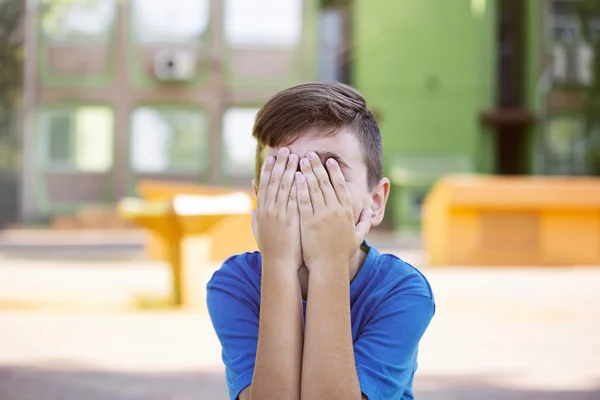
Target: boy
pixel 318 313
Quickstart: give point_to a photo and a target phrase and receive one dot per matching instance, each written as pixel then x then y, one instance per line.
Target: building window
pixel 565 146
pixel 239 146
pixel 170 20
pixel 76 139
pixel 169 139
pixel 83 20
pixel 564 25
pixel 263 22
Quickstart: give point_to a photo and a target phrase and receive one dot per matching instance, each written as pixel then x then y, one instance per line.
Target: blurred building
pixel 138 89
pixel 484 86
pixel 135 89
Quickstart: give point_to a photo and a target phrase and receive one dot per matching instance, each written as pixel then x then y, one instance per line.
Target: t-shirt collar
pixel 365 271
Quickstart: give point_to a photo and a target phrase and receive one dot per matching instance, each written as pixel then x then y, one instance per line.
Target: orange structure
pixel 193 229
pixel 230 236
pixel 513 221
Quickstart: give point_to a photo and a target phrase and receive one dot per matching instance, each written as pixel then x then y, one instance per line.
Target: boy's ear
pixel 380 196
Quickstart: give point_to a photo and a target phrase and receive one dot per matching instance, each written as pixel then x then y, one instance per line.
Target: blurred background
pixel 126 158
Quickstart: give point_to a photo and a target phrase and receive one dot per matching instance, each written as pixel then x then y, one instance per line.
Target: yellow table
pixel 164 190
pixel 197 231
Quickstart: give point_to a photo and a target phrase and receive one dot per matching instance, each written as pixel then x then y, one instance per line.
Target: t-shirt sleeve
pixel 386 349
pixel 235 319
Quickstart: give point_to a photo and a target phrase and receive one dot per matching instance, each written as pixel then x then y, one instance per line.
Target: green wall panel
pixel 428 68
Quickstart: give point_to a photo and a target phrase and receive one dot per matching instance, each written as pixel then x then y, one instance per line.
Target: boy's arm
pixel 329 239
pixel 238 315
pixel 380 365
pixel 279 350
pixel 329 370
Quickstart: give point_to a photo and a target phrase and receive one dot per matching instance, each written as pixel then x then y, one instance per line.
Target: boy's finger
pixel 364 225
pixel 276 174
pixel 287 180
pixel 339 182
pixel 254 189
pixel 265 177
pixel 293 198
pixel 254 225
pixel 304 204
pixel 313 187
pixel 323 179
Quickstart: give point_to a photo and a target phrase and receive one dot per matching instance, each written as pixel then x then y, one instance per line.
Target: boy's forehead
pixel 342 145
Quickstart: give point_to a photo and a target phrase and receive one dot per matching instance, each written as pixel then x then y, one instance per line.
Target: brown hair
pixel 326 107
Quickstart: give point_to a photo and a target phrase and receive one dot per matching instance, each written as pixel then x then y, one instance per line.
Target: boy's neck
pixel 355 263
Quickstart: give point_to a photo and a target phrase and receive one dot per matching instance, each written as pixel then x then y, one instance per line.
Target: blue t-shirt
pixel 391 306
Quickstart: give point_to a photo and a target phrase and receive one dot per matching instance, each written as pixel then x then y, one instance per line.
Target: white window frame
pixel 43 132
pixel 70 36
pixel 242 29
pixel 241 133
pixel 142 35
pixel 201 162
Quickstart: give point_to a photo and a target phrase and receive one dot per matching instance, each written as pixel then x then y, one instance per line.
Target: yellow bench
pixel 513 221
pixel 185 228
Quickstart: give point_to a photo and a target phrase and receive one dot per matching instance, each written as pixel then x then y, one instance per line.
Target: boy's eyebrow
pixel 325 155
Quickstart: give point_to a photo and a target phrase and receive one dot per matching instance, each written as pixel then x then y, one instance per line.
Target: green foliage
pixel 11 57
pixel 49 11
pixel 336 3
pixel 11 52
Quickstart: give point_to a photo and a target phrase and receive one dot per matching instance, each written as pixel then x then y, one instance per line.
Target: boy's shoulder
pixel 389 275
pixel 240 269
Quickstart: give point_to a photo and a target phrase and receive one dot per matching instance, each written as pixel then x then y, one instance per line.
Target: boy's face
pixel 345 148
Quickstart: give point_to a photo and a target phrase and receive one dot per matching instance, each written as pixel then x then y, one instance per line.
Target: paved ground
pixel 99 269
pixel 498 334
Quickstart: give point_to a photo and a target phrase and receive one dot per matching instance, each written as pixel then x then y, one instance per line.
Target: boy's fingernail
pixel 270 160
pixel 369 210
pixel 312 155
pixel 293 157
pixel 284 151
pixel 305 162
pixel 331 161
pixel 300 176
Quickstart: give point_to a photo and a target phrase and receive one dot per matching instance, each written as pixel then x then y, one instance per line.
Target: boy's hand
pixel 329 236
pixel 277 216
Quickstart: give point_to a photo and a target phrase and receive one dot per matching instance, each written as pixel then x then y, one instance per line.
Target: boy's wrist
pixel 325 269
pixel 280 267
